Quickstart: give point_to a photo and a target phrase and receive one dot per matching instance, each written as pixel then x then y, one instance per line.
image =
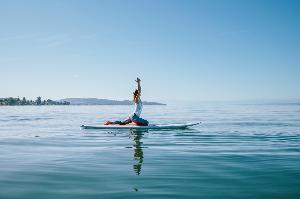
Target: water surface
pixel 239 151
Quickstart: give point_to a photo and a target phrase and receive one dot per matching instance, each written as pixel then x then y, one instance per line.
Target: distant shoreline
pixel 11 101
pixel 96 101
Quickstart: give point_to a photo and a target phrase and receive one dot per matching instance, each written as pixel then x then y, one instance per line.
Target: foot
pixel 107 123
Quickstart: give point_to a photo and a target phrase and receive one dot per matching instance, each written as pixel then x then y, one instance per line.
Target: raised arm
pixel 139 86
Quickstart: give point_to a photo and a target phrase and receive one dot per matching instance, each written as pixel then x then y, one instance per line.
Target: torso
pixel 138 106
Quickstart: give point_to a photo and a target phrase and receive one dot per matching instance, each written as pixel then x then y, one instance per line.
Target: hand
pixel 138 80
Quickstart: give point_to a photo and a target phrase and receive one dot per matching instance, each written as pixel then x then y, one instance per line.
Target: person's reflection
pixel 137 150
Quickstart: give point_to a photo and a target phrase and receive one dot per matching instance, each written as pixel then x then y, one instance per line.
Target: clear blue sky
pixel 182 50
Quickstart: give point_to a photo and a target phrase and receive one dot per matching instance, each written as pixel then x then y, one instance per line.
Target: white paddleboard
pixel 151 126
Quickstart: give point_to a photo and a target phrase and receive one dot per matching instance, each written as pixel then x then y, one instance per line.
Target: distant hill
pixel 95 101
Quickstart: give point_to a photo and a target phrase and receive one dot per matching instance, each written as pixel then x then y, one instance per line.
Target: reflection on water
pixel 138 154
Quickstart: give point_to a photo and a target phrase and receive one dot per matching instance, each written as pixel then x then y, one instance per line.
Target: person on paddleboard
pixel 135 117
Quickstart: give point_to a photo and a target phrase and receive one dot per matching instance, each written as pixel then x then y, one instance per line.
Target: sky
pixel 181 50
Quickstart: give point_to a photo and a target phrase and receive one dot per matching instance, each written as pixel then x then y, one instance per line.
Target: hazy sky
pixel 182 50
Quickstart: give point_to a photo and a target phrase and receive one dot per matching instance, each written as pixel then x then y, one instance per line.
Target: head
pixel 135 94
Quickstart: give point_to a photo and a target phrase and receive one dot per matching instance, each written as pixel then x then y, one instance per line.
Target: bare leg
pixel 118 122
pixel 128 121
pixel 110 122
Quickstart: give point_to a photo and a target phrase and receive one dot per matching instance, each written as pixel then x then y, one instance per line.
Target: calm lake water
pixel 239 151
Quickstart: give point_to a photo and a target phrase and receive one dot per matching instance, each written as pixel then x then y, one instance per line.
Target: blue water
pixel 239 151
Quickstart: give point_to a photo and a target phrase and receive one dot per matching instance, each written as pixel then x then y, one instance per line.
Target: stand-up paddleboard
pixel 151 126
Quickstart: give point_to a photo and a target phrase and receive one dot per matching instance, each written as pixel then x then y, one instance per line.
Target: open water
pixel 240 150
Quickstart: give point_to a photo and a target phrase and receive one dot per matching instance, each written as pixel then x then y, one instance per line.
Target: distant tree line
pixel 11 101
